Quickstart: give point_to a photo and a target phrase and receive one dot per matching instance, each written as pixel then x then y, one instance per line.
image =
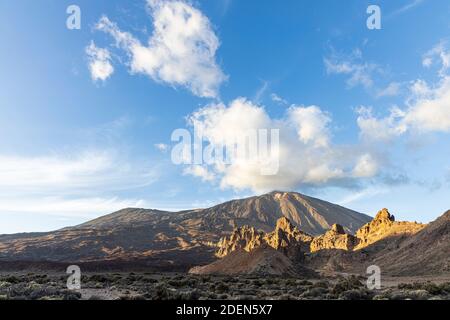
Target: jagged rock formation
pixel 284 237
pixel 399 248
pixel 243 238
pixel 383 226
pixel 336 238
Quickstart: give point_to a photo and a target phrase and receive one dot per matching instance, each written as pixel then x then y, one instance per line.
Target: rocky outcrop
pixel 285 237
pixel 425 253
pixel 245 238
pixel 383 226
pixel 288 238
pixel 399 248
pixel 336 238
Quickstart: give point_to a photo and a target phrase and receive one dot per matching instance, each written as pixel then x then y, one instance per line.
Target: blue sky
pixel 86 116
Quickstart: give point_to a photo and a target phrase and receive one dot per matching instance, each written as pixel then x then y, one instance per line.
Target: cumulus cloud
pixel 311 123
pixel 99 60
pixel 431 112
pixel 306 155
pixel 373 128
pixel 181 50
pixel 426 109
pixel 365 167
pixel 199 172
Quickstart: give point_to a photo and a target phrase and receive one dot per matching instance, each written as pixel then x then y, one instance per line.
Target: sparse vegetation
pixel 130 286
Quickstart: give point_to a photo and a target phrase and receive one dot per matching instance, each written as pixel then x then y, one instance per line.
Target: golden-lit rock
pixel 285 236
pixel 384 226
pixel 335 238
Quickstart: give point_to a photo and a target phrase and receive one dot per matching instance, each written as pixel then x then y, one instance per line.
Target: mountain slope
pixel 263 260
pixel 427 252
pixel 310 215
pixel 174 237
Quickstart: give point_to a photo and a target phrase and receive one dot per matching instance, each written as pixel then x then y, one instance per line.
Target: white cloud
pixel 261 91
pixel 438 55
pixel 431 111
pixel 373 128
pixel 412 4
pixel 311 123
pixel 306 154
pixel 99 62
pixel 391 90
pixel 162 147
pixel 276 98
pixel 56 174
pixel 427 111
pixel 359 72
pixel 199 172
pixel 83 185
pixel 181 51
pixel 363 194
pixel 420 88
pixel 62 207
pixel 365 167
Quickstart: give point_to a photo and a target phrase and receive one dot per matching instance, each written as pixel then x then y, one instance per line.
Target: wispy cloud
pixel 363 194
pixel 259 95
pixel 358 71
pixel 86 184
pixel 391 90
pixel 84 208
pixel 70 174
pixel 161 147
pixel 438 55
pixel 276 98
pixel 410 5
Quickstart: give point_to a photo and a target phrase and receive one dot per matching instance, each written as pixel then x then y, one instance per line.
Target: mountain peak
pixel 384 214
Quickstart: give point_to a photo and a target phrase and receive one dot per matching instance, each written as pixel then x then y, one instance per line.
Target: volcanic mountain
pixel 178 239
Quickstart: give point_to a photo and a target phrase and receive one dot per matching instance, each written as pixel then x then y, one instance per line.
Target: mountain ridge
pixel 174 236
